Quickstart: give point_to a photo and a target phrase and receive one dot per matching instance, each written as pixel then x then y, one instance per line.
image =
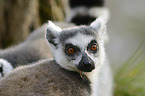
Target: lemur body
pixel 49 79
pixel 45 78
pixel 79 67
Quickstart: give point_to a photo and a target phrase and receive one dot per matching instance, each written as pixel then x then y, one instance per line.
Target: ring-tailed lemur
pixel 79 67
pixel 35 47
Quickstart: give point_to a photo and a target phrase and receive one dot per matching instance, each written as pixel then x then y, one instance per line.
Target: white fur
pixel 54 27
pixel 100 26
pixel 94 81
pixel 7 67
pixel 98 23
pixel 78 59
pixel 80 40
pixel 62 60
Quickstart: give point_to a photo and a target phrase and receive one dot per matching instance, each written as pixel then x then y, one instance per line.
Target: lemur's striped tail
pixel 85 11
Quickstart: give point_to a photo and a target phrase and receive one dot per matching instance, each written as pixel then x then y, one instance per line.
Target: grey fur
pixel 44 78
pixel 32 49
pixel 69 33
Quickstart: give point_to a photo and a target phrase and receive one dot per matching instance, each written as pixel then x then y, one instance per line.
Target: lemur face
pixel 76 49
pixel 80 49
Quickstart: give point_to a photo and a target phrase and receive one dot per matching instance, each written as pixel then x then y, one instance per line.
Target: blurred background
pixel 126 48
pixel 126 30
pixel 126 27
pixel 18 18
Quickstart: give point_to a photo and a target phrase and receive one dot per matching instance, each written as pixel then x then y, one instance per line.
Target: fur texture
pixel 66 75
pixel 44 78
pixel 31 50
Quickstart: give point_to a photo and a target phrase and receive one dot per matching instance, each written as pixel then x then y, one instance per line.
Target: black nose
pixel 86 64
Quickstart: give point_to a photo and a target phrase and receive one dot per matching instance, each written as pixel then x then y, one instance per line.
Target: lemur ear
pixel 99 25
pixel 52 33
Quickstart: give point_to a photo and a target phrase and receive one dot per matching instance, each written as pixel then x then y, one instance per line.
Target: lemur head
pixel 78 48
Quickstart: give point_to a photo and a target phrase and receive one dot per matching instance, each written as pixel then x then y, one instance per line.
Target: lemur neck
pixel 93 77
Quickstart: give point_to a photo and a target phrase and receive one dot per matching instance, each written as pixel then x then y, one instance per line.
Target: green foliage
pixel 130 77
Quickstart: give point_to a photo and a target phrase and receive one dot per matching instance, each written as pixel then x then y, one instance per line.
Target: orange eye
pixel 71 50
pixel 93 47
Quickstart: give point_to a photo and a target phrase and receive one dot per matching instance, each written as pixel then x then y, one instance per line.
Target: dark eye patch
pixel 93 42
pixel 76 49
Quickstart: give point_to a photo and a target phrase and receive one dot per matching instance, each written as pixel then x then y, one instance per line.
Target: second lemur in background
pixel 84 12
